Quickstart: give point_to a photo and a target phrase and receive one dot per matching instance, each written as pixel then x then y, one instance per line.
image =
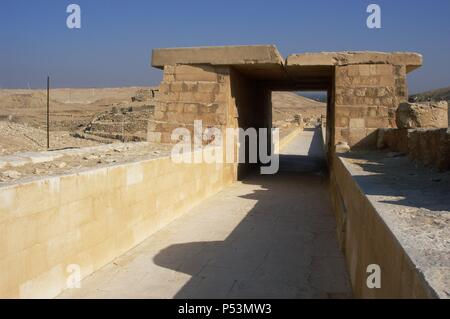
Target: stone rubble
pixel 422 115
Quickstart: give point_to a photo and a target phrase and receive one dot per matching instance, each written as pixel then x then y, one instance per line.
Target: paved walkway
pixel 266 237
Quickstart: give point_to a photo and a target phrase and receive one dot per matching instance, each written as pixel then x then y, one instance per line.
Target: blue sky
pixel 113 46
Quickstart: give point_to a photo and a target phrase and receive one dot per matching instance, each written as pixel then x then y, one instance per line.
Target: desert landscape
pixel 138 158
pixel 88 117
pixel 72 112
pixel 442 94
pixel 91 127
pixel 94 126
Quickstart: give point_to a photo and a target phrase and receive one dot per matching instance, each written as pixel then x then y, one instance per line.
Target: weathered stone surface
pixel 395 214
pixel 51 222
pixel 367 87
pixel 143 95
pixel 411 60
pixel 430 147
pixel 220 55
pixel 342 147
pixel 366 96
pixel 11 174
pixel 415 115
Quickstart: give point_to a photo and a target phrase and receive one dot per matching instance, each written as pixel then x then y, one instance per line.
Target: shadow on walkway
pixel 284 247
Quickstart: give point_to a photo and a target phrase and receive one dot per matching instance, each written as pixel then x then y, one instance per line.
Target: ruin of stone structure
pixel 130 200
pixel 230 87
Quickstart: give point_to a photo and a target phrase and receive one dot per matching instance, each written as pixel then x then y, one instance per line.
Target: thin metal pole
pixel 48 112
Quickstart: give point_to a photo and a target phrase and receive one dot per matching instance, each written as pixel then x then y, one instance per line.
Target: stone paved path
pixel 265 237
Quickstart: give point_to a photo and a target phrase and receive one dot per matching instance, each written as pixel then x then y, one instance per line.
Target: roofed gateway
pixel 230 86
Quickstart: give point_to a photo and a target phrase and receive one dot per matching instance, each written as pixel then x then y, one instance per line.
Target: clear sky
pixel 113 46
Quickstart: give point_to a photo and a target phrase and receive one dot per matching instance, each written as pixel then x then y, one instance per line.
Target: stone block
pixel 161 107
pixel 356 136
pixel 164 87
pixel 415 115
pixel 191 108
pixel 341 134
pixel 384 69
pixel 208 87
pixel 353 70
pixel 168 77
pixel 177 117
pixel 196 97
pixel 160 115
pixel 169 69
pixel 365 70
pixel 387 80
pixel 177 86
pixel 377 122
pixel 342 121
pixel 190 86
pixel 175 107
pixel 195 73
pixel 169 97
pixel 357 123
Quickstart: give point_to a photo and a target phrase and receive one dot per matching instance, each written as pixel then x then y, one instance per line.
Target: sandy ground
pixel 75 159
pixel 69 108
pixel 15 137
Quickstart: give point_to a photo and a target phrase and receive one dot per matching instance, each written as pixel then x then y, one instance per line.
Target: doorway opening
pixel 301 117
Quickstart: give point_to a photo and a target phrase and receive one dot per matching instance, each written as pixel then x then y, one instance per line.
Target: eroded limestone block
pixel 342 147
pixel 418 115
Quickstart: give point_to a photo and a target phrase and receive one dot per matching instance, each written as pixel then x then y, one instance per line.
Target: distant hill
pixel 434 95
pixel 288 104
pixel 316 96
pixel 289 100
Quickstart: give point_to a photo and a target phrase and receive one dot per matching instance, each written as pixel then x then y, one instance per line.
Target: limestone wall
pixel 364 88
pixel 366 239
pixel 189 93
pixel 366 97
pixel 430 147
pixel 91 217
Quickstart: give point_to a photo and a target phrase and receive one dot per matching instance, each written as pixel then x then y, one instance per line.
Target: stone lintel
pixel 409 59
pixel 220 55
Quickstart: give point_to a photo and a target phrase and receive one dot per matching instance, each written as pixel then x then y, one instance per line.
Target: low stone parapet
pixel 430 147
pixel 56 229
pixel 392 225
